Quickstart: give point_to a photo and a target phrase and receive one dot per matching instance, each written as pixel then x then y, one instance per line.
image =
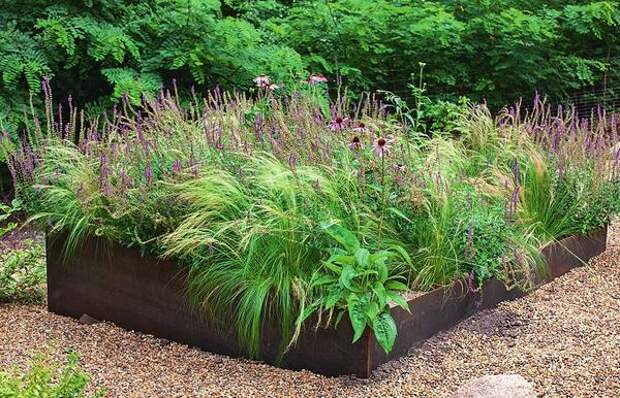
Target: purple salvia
pixel 126 181
pixel 515 170
pixel 104 175
pixel 588 142
pixel 292 160
pixel 514 201
pixel 60 123
pixel 148 175
pixel 176 166
pixel 258 127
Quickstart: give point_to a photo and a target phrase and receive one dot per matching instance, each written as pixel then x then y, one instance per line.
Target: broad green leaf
pixel 347 275
pixel 324 280
pixel 381 294
pixel 362 256
pixel 382 270
pixel 341 259
pixel 398 300
pixel 373 310
pixel 384 329
pixel 342 236
pixel 358 314
pixel 335 295
pixel 332 267
pixel 395 285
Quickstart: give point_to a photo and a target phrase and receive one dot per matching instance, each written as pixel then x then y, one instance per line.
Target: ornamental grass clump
pixel 295 211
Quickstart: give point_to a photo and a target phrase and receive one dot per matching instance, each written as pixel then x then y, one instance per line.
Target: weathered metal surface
pixel 6 183
pixel 117 284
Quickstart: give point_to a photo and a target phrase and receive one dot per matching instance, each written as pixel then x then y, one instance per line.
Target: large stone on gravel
pixel 86 319
pixel 496 386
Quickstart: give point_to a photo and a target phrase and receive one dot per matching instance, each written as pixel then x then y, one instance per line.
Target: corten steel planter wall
pixel 6 183
pixel 110 282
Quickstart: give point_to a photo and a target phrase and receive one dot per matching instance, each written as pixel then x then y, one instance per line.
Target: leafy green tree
pixel 497 50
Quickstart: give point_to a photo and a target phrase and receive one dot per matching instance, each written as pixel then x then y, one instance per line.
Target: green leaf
pixel 307 312
pixel 334 296
pixel 347 275
pixel 358 314
pixel 395 285
pixel 362 256
pixel 382 268
pixel 380 292
pixel 402 252
pixel 341 259
pixel 399 214
pixel 323 280
pixel 384 329
pixel 338 319
pixel 342 236
pixel 398 300
pixel 373 310
pixel 332 267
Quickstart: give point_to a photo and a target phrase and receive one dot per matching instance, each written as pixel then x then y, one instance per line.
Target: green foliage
pixel 357 282
pixel 22 274
pixel 498 51
pixel 47 378
pixel 7 212
pixel 98 51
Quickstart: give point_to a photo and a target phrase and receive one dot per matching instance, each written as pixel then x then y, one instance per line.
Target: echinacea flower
pixel 338 123
pixel 360 128
pixel 262 81
pixel 316 79
pixel 381 147
pixel 355 144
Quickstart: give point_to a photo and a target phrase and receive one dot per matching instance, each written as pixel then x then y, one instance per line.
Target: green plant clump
pixel 47 378
pixel 22 274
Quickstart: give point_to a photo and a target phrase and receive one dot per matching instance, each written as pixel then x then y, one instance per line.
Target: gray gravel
pixel 564 339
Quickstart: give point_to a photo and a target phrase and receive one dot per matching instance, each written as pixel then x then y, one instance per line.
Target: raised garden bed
pixel 117 284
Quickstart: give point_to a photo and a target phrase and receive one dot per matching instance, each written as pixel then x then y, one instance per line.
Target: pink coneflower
pixel 262 81
pixel 355 144
pixel 273 87
pixel 316 79
pixel 381 147
pixel 338 123
pixel 360 128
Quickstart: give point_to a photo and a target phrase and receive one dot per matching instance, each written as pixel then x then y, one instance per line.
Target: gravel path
pixel 564 338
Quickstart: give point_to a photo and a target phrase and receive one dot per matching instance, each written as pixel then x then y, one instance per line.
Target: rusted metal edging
pixel 113 283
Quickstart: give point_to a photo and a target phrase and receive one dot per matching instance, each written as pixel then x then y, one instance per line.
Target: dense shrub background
pixel 96 50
